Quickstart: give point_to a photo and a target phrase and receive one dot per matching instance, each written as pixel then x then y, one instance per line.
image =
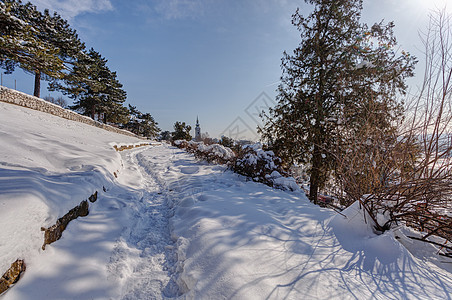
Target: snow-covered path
pixel 237 239
pixel 170 226
pixel 143 257
pixel 121 250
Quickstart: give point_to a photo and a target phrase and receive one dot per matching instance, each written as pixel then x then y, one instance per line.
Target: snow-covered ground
pixel 170 226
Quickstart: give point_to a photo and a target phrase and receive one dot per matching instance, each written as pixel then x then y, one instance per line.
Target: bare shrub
pixel 406 176
pixel 58 101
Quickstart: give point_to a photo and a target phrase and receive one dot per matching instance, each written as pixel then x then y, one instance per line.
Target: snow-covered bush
pixel 180 144
pixel 263 166
pixel 251 161
pixel 213 153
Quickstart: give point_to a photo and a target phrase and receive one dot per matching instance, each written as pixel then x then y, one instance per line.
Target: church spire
pixel 197 130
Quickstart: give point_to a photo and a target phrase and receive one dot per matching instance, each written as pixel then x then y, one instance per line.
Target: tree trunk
pixel 315 175
pixel 37 92
pixel 93 112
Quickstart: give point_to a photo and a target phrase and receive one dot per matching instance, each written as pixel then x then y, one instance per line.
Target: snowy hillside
pixel 170 226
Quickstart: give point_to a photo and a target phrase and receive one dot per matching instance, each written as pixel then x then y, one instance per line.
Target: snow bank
pixel 18 98
pixel 354 230
pixel 252 161
pixel 216 150
pixel 48 165
pixel 283 183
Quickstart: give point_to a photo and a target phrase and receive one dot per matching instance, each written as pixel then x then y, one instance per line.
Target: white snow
pixel 171 226
pixel 212 151
pixel 217 150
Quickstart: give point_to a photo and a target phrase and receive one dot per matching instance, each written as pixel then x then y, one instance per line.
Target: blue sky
pixel 216 59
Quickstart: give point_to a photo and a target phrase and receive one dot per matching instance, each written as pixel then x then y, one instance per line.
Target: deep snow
pixel 172 227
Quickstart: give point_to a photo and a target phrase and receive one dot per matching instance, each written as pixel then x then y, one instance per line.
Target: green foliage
pixel 165 135
pixel 341 74
pixel 142 124
pixel 181 132
pixel 39 43
pixel 45 45
pixel 12 32
pixel 227 141
pixel 95 88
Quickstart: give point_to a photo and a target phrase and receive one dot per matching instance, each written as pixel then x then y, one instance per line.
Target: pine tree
pixel 133 125
pixel 34 53
pixel 339 70
pixel 12 33
pixel 165 135
pixel 95 88
pixel 56 31
pixel 149 126
pixel 181 132
pixel 39 43
pixel 142 124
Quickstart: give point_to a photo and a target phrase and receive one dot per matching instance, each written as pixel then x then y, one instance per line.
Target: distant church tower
pixel 197 131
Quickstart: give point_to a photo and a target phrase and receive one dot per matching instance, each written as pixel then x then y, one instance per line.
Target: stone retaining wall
pixel 12 275
pixel 55 232
pixel 18 98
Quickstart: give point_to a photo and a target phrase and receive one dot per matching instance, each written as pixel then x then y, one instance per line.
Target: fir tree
pixel 340 69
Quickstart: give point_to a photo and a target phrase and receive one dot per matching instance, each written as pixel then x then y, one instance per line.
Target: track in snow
pixel 144 258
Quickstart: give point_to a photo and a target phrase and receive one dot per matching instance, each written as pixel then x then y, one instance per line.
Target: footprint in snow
pixel 189 170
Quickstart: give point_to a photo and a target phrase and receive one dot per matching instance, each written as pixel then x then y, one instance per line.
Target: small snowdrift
pixel 353 230
pixel 355 233
pixel 385 259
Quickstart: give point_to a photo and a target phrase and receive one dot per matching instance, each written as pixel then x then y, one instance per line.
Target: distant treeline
pixel 44 45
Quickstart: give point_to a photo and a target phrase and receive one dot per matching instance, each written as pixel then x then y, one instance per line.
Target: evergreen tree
pixel 142 124
pixel 95 88
pixel 56 31
pixel 227 141
pixel 39 43
pixel 340 69
pixel 134 124
pixel 181 131
pixel 149 126
pixel 33 54
pixel 116 113
pixel 165 135
pixel 13 33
